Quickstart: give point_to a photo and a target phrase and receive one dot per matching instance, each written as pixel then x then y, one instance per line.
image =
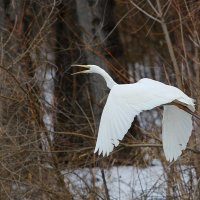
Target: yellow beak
pixel 81 72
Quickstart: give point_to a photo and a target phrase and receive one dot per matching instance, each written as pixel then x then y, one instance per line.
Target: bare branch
pixel 144 12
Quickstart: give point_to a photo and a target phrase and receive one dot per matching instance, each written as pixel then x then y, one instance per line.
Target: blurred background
pixel 49 119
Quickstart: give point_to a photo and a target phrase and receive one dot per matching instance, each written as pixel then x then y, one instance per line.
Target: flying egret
pixel 125 101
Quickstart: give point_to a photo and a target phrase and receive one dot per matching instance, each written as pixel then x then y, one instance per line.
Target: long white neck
pixel 109 81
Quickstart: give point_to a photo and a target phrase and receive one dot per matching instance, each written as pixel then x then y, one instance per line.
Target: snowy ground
pixel 124 182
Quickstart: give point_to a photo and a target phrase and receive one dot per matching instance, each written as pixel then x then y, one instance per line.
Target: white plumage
pixel 176 131
pixel 125 101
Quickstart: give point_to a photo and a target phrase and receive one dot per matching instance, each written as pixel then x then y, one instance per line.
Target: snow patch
pixel 123 182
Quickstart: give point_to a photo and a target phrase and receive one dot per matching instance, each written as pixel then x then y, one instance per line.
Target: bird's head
pixel 89 69
pixel 95 69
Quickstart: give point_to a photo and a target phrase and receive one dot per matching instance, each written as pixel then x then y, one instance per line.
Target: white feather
pixel 176 130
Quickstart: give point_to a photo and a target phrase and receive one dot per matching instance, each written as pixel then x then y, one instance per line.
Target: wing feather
pixel 177 128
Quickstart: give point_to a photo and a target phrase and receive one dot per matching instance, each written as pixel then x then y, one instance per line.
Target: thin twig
pixel 105 184
pixel 13 76
pixel 144 12
pixel 183 107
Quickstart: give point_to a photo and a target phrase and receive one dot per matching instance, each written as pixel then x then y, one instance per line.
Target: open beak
pixel 81 72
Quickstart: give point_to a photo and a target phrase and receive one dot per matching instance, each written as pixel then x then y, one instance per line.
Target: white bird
pixel 125 101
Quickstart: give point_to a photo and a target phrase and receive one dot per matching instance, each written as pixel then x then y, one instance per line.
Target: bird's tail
pixel 177 128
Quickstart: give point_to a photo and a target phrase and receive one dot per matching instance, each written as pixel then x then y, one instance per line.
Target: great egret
pixel 125 101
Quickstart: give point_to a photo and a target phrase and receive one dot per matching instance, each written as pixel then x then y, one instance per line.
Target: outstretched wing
pixel 116 119
pixel 176 131
pixel 125 102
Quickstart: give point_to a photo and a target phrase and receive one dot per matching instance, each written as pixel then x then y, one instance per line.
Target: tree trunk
pixel 90 23
pixel 2 25
pixel 43 59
